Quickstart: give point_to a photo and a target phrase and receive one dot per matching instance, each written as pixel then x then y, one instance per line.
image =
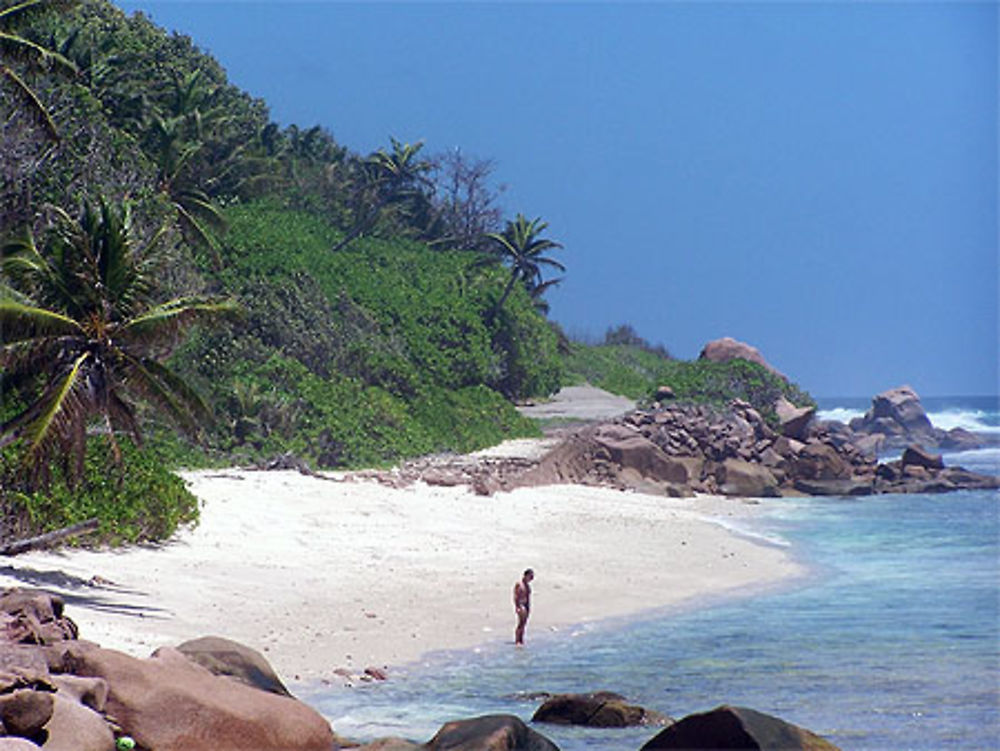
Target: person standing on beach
pixel 522 604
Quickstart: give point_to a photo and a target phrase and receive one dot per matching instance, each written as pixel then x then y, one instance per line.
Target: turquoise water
pixel 891 644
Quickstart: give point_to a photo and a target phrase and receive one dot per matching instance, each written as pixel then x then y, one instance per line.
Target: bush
pixel 140 501
pixel 339 421
pixel 635 372
pixel 363 356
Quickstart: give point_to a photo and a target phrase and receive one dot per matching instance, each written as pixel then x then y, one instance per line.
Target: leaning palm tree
pixel 14 46
pixel 83 336
pixel 387 178
pixel 520 245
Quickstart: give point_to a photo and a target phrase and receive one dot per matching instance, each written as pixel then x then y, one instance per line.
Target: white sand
pixel 322 574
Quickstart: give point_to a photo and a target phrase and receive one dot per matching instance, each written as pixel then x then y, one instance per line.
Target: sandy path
pixel 581 403
pixel 322 574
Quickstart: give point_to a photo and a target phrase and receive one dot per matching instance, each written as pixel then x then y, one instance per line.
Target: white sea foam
pixel 975 420
pixel 748 531
pixel 840 414
pixel 985 460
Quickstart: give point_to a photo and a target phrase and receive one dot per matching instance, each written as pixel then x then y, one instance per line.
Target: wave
pixel 981 421
pixel 985 461
pixel 975 420
pixel 839 414
pixel 750 531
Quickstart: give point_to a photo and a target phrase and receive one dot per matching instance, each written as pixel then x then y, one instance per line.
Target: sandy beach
pixel 331 572
pixel 325 574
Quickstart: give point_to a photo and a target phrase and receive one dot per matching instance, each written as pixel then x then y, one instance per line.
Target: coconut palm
pixel 83 336
pixel 14 46
pixel 388 178
pixel 175 140
pixel 522 247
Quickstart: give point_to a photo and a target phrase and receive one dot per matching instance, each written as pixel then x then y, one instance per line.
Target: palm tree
pixel 388 178
pixel 84 336
pixel 521 246
pixel 175 140
pixel 13 46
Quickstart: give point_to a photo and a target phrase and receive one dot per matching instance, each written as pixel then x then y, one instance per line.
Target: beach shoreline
pixel 328 576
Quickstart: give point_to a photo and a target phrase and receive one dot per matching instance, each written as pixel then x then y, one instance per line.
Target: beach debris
pixel 49 538
pixel 99 581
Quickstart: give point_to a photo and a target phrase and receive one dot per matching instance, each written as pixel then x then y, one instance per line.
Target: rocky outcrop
pixel 683 449
pixel 737 728
pixel 62 693
pixel 169 703
pixel 30 616
pixel 897 419
pixel 601 709
pixel 727 348
pixel 234 660
pixel 793 421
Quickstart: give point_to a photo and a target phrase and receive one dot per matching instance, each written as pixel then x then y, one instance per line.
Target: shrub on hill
pixel 637 372
pixel 365 355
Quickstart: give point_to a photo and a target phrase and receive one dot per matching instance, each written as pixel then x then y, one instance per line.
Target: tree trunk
pixel 41 541
pixel 506 292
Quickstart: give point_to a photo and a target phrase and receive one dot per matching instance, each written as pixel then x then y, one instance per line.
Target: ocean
pixel 891 643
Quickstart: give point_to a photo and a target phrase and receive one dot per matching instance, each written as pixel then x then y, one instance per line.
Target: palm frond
pixel 159 385
pixel 171 318
pixel 60 410
pixel 19 322
pixel 31 102
pixel 18 47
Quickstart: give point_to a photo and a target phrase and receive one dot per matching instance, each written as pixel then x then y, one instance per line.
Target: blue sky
pixel 817 179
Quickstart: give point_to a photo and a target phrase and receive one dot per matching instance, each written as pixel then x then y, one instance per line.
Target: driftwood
pixel 41 541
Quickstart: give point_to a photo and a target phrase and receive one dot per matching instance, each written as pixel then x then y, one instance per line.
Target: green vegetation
pixel 13 46
pixel 140 501
pixel 386 309
pixel 83 335
pixel 371 325
pixel 637 370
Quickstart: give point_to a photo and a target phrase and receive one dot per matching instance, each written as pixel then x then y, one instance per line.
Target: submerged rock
pixel 489 733
pixel 601 709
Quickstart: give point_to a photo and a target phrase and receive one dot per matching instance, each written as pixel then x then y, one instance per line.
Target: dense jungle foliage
pixel 384 307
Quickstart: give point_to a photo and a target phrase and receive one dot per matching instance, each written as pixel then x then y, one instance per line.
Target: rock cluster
pixel 65 694
pixel 683 449
pixel 722 727
pixel 897 419
pixel 680 450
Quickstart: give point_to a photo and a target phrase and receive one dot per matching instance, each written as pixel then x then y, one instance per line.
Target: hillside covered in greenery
pixel 173 259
